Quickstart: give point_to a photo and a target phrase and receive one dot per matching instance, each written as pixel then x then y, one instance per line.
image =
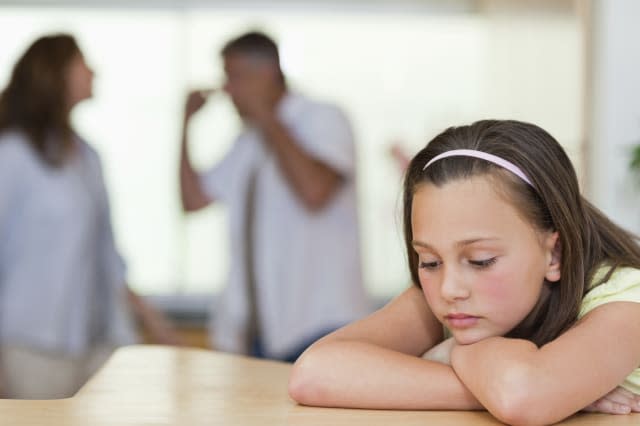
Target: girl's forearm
pixel 355 374
pixel 501 373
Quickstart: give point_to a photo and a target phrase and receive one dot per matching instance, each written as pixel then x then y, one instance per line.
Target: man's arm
pixel 192 194
pixel 312 180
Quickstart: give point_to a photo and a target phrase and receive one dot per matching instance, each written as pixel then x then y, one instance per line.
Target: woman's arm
pixel 159 327
pixel 375 363
pixel 521 384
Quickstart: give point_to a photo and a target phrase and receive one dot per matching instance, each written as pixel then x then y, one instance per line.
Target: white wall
pixel 614 114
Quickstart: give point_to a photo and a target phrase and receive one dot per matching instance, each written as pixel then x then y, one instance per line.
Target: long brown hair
pixel 587 237
pixel 35 100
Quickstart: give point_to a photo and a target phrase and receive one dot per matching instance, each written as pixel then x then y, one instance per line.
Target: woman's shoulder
pixel 12 138
pixel 14 147
pixel 620 285
pixel 88 152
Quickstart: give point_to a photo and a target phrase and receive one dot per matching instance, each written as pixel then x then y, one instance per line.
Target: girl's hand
pixel 618 401
pixel 441 352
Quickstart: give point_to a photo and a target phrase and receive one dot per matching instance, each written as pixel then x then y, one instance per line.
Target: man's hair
pixel 254 44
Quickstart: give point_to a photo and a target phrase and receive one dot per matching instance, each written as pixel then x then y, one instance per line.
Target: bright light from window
pixel 399 76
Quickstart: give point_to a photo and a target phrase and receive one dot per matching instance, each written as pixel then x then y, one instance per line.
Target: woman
pixel 64 303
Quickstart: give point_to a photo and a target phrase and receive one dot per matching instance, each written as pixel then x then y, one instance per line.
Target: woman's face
pixel 79 81
pixel 481 265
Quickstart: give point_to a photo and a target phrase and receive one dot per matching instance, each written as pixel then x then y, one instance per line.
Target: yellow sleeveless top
pixel 622 286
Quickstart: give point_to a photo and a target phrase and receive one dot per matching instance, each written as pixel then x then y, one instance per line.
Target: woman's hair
pixel 35 100
pixel 553 202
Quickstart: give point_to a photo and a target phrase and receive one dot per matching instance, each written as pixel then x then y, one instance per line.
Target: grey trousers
pixel 30 374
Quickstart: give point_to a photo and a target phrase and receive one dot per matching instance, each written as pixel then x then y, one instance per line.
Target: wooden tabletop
pixel 157 385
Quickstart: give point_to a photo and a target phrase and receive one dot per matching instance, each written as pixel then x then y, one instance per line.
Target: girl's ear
pixel 554 255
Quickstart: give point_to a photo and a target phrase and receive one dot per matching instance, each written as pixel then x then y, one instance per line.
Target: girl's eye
pixel 429 265
pixel 484 263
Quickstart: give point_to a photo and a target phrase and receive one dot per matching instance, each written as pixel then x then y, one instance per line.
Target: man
pixel 289 183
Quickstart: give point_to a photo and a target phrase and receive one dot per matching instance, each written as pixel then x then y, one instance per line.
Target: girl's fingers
pixel 621 396
pixel 608 406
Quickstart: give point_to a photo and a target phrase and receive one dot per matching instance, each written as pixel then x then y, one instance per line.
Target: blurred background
pixel 402 70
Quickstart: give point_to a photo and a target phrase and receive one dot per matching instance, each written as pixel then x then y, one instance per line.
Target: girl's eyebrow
pixel 420 244
pixel 475 240
pixel 458 243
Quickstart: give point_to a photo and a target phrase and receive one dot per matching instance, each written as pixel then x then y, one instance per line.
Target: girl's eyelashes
pixel 484 263
pixel 480 264
pixel 429 265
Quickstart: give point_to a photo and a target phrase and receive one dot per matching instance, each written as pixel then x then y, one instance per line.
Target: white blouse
pixel 62 282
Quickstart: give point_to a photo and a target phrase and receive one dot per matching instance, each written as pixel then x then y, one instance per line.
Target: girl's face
pixel 481 265
pixel 79 81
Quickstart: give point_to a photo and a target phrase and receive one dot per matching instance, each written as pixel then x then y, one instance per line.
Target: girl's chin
pixel 469 338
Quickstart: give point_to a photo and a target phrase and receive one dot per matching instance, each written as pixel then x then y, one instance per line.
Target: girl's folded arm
pixel 521 384
pixel 375 363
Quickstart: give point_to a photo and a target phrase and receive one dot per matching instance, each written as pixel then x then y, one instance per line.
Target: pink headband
pixel 484 156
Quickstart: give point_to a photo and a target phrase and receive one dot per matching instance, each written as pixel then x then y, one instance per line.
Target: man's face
pixel 249 82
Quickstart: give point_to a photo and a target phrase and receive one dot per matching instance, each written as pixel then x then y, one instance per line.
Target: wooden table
pixel 157 385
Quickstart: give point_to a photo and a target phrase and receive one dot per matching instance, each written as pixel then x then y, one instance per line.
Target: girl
pixel 537 288
pixel 64 304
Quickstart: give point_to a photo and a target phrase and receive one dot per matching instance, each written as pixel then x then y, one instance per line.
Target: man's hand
pixel 618 401
pixel 258 105
pixel 195 100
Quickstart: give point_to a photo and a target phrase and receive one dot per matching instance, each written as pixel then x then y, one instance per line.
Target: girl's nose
pixel 454 287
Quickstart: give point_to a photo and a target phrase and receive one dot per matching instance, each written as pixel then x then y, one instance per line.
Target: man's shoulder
pixel 324 105
pixel 318 123
pixel 305 106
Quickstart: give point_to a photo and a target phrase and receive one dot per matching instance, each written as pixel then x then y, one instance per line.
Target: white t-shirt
pixel 62 285
pixel 307 264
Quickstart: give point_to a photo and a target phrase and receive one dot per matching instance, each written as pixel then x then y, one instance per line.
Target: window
pixel 400 75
